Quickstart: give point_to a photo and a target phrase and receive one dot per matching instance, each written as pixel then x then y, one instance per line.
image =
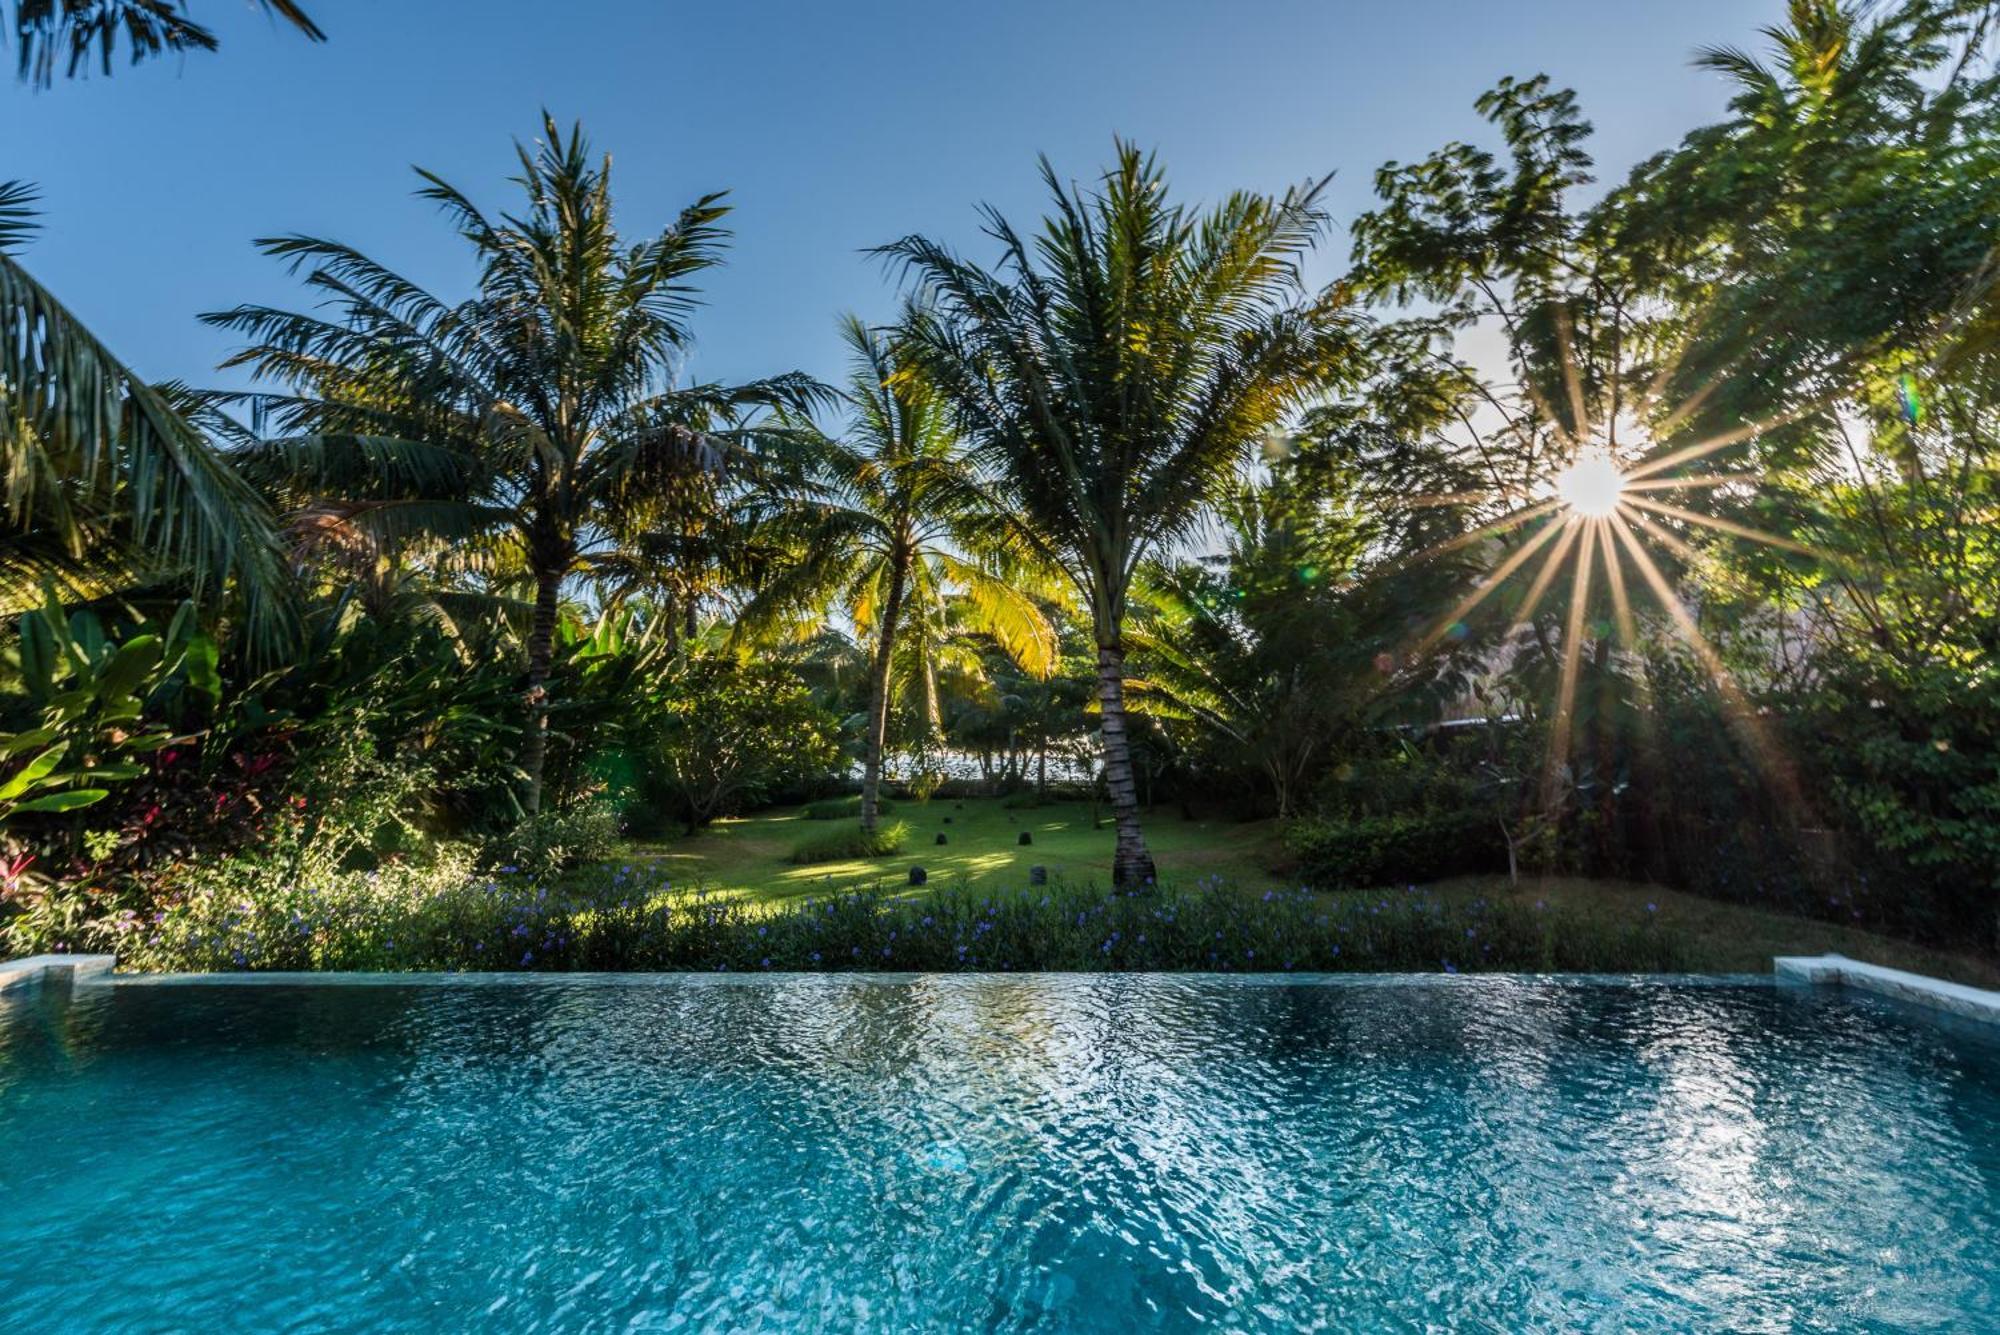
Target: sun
pixel 1592 487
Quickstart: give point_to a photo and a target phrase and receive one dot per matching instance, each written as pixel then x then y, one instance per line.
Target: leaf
pixel 35 771
pixel 38 656
pixel 200 662
pixel 69 801
pixel 25 741
pixel 135 659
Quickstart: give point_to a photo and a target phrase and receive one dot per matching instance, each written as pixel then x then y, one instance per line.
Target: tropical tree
pixel 892 536
pixel 73 31
pixel 537 420
pixel 1112 372
pixel 103 481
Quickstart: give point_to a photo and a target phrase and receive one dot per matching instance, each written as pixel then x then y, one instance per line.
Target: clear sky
pixel 836 126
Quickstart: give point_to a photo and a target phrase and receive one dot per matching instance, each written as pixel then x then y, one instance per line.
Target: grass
pixel 1722 937
pixel 749 860
pixel 751 857
pixel 843 808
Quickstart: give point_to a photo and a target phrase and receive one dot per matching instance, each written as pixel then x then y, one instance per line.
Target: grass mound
pixel 844 844
pixel 843 808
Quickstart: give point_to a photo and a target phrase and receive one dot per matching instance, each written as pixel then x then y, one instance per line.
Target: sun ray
pixel 1614 579
pixel 1729 526
pixel 1579 599
pixel 1501 525
pixel 1740 713
pixel 1438 499
pixel 1520 557
pixel 1572 377
pixel 1548 412
pixel 1664 536
pixel 1547 574
pixel 1691 483
pixel 1702 449
pixel 1684 410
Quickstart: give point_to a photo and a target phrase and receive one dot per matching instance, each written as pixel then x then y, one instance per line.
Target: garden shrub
pixel 1337 854
pixel 555 839
pixel 843 844
pixel 729 737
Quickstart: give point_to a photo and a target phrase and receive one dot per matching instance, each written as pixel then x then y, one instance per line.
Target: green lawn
pixel 750 857
pixel 1734 938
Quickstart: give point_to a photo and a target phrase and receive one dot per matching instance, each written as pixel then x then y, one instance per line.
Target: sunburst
pixel 1600 513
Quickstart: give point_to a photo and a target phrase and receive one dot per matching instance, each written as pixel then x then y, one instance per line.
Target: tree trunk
pixel 1131 864
pixel 541 651
pixel 878 696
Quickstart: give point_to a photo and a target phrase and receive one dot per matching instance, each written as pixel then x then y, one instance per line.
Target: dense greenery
pixel 623 918
pixel 475 582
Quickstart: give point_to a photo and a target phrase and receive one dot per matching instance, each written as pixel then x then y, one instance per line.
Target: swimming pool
pixel 1055 1152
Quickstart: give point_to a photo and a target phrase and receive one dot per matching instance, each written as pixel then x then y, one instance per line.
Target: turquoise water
pixel 998 1154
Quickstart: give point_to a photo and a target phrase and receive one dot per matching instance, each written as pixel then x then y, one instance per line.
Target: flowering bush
pixel 261 912
pixel 443 917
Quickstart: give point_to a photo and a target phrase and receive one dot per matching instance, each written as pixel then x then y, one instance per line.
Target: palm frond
pixel 88 450
pixel 73 33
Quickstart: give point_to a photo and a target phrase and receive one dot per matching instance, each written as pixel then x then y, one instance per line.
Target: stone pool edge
pixel 33 969
pixel 1972 1003
pixel 1812 970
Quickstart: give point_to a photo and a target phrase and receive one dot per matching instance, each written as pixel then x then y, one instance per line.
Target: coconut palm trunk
pixel 878 693
pixel 1131 863
pixel 541 655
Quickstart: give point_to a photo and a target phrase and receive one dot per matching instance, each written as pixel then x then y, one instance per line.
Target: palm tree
pixel 539 419
pixel 1113 372
pixel 103 480
pixel 77 30
pixel 890 535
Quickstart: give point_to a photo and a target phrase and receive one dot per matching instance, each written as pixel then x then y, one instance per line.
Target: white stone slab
pixel 39 968
pixel 1837 970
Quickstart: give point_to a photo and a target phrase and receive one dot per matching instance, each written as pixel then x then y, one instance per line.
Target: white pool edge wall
pixel 1816 970
pixel 1972 1003
pixel 36 968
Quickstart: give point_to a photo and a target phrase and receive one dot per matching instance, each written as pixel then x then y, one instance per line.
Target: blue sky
pixel 836 126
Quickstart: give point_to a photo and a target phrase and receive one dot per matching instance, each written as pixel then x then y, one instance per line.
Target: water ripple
pixel 1002 1154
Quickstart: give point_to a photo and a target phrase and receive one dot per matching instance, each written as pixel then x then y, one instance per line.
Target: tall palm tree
pixel 889 533
pixel 74 31
pixel 1116 369
pixel 539 418
pixel 103 480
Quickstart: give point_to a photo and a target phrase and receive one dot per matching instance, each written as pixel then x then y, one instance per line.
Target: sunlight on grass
pixel 749 856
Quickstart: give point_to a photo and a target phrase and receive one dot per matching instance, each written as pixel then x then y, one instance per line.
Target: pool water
pixel 999 1154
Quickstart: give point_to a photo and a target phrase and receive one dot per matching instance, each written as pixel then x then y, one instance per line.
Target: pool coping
pixel 1830 970
pixel 39 968
pixel 839 977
